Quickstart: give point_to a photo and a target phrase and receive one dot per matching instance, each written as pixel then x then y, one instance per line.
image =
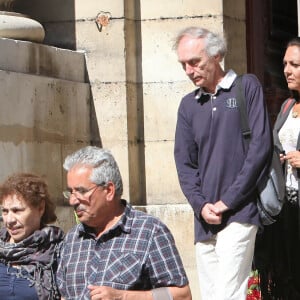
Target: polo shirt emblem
pixel 231 103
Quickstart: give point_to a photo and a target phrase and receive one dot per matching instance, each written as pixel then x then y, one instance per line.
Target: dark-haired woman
pixel 281 269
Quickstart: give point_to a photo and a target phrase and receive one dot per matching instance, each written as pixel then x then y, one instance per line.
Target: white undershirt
pixel 288 136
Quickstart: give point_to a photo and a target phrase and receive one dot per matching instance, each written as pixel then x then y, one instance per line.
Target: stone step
pixel 38 59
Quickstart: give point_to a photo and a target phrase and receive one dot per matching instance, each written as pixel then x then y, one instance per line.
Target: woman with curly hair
pixel 28 246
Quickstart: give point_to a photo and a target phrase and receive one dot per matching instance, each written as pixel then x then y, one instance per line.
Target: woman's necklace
pixel 296 111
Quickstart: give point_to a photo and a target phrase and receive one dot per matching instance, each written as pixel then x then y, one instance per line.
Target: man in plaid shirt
pixel 115 252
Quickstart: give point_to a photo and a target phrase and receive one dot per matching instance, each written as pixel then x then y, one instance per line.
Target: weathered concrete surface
pixel 42 118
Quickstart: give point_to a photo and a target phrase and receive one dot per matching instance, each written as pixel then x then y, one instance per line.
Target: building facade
pixel 103 72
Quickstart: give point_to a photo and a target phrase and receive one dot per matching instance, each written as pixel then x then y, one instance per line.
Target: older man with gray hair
pixel 115 252
pixel 217 173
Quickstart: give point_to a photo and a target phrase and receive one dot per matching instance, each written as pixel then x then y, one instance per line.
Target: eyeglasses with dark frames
pixel 80 193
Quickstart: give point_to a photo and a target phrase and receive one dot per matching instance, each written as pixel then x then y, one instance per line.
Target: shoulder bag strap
pixel 240 99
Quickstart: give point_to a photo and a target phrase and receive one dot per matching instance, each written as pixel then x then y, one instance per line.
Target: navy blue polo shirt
pixel 211 157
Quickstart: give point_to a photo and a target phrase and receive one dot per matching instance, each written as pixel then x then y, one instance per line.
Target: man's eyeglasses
pixel 79 193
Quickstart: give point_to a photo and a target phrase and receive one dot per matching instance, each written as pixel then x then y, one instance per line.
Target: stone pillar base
pixel 20 27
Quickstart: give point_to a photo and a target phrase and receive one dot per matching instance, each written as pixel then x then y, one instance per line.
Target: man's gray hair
pixel 214 43
pixel 105 168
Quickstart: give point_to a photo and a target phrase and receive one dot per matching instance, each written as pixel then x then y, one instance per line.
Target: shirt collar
pixel 124 224
pixel 224 84
pixel 227 80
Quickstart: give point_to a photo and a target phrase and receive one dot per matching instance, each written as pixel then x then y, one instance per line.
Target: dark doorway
pixel 270 24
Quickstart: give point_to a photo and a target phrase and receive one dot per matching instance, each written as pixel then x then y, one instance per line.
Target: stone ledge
pixel 37 59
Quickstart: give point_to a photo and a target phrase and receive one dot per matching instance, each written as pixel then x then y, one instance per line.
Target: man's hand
pixel 108 293
pixel 104 293
pixel 220 207
pixel 211 214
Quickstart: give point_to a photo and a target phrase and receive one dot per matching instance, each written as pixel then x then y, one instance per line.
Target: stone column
pixel 18 26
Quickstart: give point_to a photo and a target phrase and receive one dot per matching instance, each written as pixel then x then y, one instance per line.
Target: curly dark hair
pixel 33 189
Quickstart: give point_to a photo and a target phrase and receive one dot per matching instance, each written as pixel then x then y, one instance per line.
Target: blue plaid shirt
pixel 138 253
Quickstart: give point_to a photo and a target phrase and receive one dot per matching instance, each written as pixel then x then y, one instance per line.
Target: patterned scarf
pixel 36 255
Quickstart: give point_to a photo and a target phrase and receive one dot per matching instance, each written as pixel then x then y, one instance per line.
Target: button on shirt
pixel 138 253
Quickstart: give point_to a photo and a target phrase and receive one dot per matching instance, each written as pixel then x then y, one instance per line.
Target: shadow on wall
pixel 94 127
pixel 57 18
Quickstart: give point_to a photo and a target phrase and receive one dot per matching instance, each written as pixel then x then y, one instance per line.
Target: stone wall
pixel 45 112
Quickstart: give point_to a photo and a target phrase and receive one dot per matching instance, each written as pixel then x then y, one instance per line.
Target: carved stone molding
pixel 18 26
